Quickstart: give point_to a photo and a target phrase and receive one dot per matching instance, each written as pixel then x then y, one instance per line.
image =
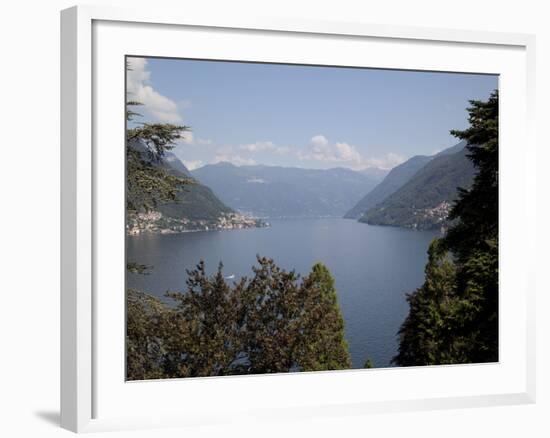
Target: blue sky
pixel 304 116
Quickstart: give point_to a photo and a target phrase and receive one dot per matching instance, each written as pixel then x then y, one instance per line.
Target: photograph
pixel 278 219
pixel 285 218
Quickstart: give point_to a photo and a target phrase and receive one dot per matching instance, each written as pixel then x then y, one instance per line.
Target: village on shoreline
pixel 155 222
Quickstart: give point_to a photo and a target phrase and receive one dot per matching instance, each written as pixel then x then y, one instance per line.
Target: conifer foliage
pixel 272 322
pixel 148 183
pixel 453 316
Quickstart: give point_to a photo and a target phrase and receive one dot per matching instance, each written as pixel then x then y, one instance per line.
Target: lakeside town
pixel 155 222
pixel 438 215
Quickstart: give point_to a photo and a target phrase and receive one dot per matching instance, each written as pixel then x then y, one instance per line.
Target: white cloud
pixel 259 146
pixel 281 150
pixel 264 146
pixel 319 140
pixel 237 160
pixel 321 150
pixel 192 164
pixel 160 107
pixel 188 137
pixel 345 154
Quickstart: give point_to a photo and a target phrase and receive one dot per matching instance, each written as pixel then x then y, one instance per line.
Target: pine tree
pixel 148 183
pixel 476 209
pixel 204 337
pixel 453 317
pixel 474 238
pixel 323 344
pixel 275 309
pixel 293 326
pixel 272 322
pixel 144 336
pixel 424 336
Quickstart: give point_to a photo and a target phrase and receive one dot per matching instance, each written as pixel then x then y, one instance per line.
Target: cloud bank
pixel 345 154
pixel 162 108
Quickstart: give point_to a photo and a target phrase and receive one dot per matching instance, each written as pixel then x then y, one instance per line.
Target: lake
pixel 374 268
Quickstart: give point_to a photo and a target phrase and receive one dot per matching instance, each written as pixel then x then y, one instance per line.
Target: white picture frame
pixel 92 392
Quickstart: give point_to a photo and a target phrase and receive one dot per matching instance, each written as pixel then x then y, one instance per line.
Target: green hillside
pixel 196 207
pixel 398 176
pixel 195 201
pixel 425 200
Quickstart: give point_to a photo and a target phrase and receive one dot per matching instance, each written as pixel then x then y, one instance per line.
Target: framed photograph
pixel 279 218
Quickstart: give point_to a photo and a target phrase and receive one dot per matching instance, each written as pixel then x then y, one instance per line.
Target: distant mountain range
pixel 375 173
pixel 425 199
pixel 273 191
pixel 417 194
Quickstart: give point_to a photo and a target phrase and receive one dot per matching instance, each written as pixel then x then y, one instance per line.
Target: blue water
pixel 374 267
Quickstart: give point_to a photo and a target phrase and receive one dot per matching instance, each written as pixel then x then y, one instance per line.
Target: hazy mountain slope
pixel 453 149
pixel 195 201
pixel 396 178
pixel 272 191
pixel 425 200
pixel 375 173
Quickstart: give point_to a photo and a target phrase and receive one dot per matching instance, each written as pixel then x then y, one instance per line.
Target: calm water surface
pixel 374 267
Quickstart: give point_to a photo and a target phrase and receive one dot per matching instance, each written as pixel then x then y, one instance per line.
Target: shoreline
pixel 268 223
pixel 169 233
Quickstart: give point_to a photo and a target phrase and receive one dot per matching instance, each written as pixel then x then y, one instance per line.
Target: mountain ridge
pixel 197 207
pixel 277 191
pixel 395 179
pixel 425 201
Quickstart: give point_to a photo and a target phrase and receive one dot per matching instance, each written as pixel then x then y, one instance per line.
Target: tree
pixel 292 326
pixel 204 337
pixel 424 336
pixel 476 209
pixel 453 317
pixel 474 238
pixel 323 344
pixel 275 310
pixel 148 183
pixel 144 336
pixel 272 322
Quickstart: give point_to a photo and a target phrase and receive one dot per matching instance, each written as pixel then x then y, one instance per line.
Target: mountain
pixel 375 173
pixel 195 201
pixel 197 207
pixel 425 200
pixel 273 191
pixel 453 149
pixel 398 176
